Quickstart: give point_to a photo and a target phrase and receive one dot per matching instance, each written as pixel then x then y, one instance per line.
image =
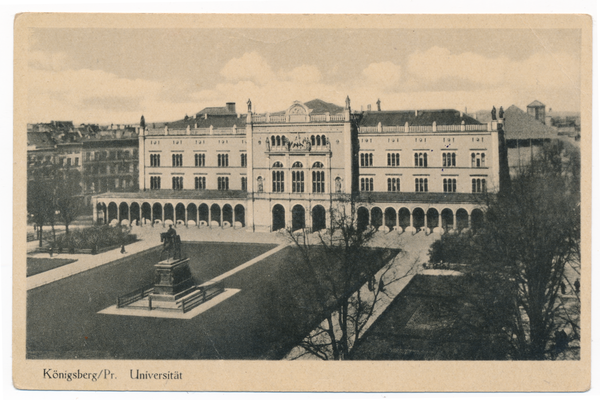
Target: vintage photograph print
pixel 234 202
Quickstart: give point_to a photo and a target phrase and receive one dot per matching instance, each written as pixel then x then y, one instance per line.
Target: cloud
pixel 542 68
pixel 250 66
pixel 304 74
pixel 383 74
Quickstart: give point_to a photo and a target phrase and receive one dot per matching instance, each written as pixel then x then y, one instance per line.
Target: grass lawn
pixel 38 265
pixel 274 310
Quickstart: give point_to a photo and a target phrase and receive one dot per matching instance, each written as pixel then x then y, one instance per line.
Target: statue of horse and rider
pixel 171 244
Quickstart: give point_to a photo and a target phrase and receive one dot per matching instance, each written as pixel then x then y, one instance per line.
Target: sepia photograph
pixel 278 192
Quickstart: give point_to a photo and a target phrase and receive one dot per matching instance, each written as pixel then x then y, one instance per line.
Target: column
pixel 233 217
pixel 119 214
pixel 398 219
pixel 411 218
pixel 454 220
pixel 163 214
pixel 468 220
pixel 425 220
pixel 221 216
pixel 185 214
pixel 152 214
pixel 440 220
pixel 209 216
pixel 95 212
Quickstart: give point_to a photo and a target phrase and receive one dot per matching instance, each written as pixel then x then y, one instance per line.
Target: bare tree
pixel 68 196
pixel 348 278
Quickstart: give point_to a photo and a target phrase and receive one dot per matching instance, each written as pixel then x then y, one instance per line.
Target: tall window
pixel 278 181
pixel 177 160
pixel 318 178
pixel 200 182
pixel 478 185
pixel 223 160
pixel 421 185
pixel 177 182
pixel 155 182
pixel 450 185
pixel 244 159
pixel 393 159
pixel 420 159
pixel 155 160
pixel 200 159
pixel 448 159
pixel 366 184
pixel 477 160
pixel 393 184
pixel 244 183
pixel 366 159
pixel 223 182
pixel 297 181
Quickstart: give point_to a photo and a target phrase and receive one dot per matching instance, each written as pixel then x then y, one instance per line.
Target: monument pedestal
pixel 172 280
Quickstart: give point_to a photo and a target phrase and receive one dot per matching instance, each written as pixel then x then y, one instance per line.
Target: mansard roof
pixel 416 118
pixel 217 121
pixel 215 111
pixel 520 125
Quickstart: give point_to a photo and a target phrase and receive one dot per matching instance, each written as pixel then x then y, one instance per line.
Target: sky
pixel 91 75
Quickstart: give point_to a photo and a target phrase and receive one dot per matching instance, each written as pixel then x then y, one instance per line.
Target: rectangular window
pixel 450 185
pixel 223 182
pixel 393 159
pixel 448 159
pixel 366 159
pixel 244 159
pixel 420 159
pixel 278 182
pixel 223 160
pixel 155 182
pixel 318 181
pixel 155 160
pixel 393 184
pixel 177 182
pixel 200 159
pixel 200 182
pixel 421 185
pixel 244 183
pixel 478 185
pixel 297 181
pixel 366 184
pixel 177 160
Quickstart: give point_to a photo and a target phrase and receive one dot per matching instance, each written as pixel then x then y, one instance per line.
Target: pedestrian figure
pixel 123 249
pixel 563 288
pixel 50 251
pixel 577 286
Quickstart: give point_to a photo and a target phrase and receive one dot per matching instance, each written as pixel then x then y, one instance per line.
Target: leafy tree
pixel 339 261
pixel 68 196
pixel 41 191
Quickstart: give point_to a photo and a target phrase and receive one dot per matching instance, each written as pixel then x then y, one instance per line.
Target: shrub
pixel 94 238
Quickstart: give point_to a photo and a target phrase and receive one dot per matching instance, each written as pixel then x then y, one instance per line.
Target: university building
pixel 406 170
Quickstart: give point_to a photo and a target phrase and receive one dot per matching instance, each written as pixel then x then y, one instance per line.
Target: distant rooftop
pixel 536 103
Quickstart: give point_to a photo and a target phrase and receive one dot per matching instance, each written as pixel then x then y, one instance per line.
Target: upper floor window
pixel 366 184
pixel 177 182
pixel 155 182
pixel 223 160
pixel 477 160
pixel 318 179
pixel 318 140
pixel 393 159
pixel 155 160
pixel 200 159
pixel 318 164
pixel 297 181
pixel 421 185
pixel 244 183
pixel 366 159
pixel 393 184
pixel 448 159
pixel 478 185
pixel 297 164
pixel 278 181
pixel 450 185
pixel 223 182
pixel 420 159
pixel 244 159
pixel 277 141
pixel 277 164
pixel 200 182
pixel 177 160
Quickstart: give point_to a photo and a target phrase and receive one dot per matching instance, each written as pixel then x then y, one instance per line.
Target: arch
pixel 317 164
pixel 157 212
pixel 215 213
pixel 134 213
pixel 390 217
pixel 447 219
pixel 323 140
pixel 362 218
pixel 312 140
pixel 179 213
pixel 123 211
pixel 278 140
pixel 418 218
pixel 404 217
pixel 476 219
pixel 462 219
pixel 169 212
pixel 277 164
pixel 278 217
pixel 298 217
pixel 318 140
pixel 273 140
pixel 240 214
pixel 297 164
pixel 433 217
pixel 192 212
pixel 112 211
pixel 318 218
pixel 101 216
pixel 376 217
pixel 228 214
pixel 203 212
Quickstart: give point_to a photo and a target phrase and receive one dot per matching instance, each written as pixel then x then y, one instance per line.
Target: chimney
pixel 368 107
pixel 230 107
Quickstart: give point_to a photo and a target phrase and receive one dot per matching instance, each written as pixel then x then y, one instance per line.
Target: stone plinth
pixel 172 278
